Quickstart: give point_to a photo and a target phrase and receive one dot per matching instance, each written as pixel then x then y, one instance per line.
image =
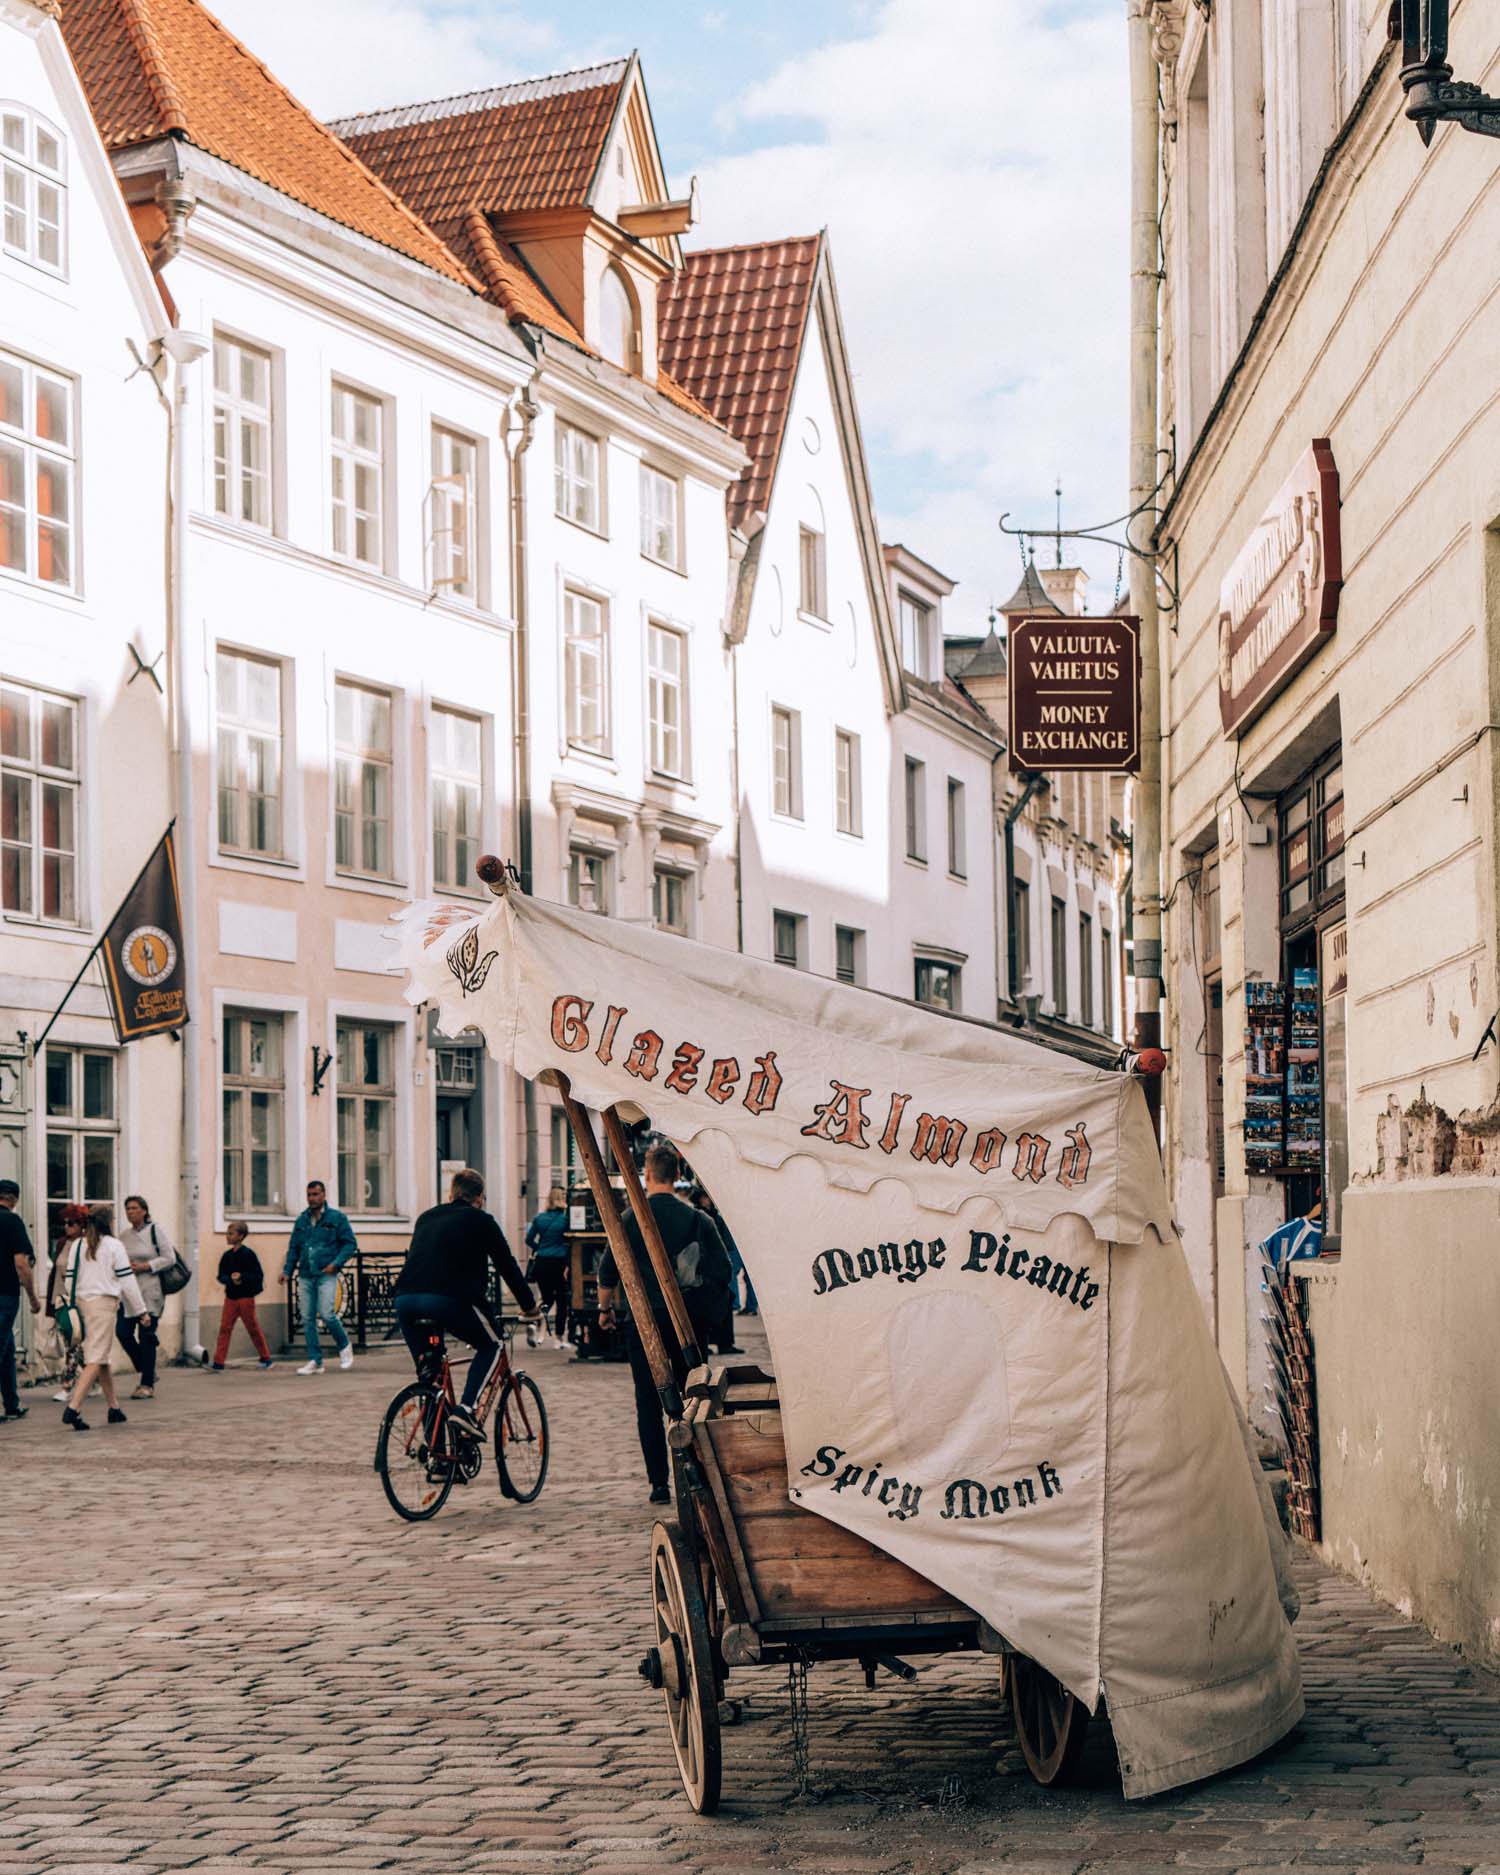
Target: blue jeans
pixel 10 1400
pixel 465 1321
pixel 315 1298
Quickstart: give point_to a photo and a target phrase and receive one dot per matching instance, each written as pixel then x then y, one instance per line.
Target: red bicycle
pixel 423 1451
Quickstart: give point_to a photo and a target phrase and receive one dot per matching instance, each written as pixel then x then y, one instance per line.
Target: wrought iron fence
pixel 366 1298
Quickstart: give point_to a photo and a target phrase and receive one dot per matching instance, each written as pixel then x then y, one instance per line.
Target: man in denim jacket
pixel 322 1242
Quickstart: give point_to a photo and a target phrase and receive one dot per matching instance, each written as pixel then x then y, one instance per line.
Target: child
pixel 243 1279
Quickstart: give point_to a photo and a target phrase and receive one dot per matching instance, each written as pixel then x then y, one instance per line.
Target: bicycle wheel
pixel 521 1439
pixel 416 1483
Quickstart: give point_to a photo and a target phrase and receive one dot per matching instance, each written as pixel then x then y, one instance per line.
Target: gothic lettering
pixel 570 1015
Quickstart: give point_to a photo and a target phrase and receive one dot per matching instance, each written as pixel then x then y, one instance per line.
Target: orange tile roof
pixel 167 68
pixel 730 331
pixel 537 144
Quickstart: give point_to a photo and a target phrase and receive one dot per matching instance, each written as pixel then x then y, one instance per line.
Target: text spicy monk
pixel 843 1119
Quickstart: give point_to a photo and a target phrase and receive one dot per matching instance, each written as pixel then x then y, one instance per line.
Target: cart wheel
pixel 685 1649
pixel 1051 1724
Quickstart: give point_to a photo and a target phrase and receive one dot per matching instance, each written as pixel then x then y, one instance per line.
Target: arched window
pixel 617 338
pixel 32 185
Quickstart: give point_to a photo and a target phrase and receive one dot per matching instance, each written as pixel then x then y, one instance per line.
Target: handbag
pixel 178 1273
pixel 67 1318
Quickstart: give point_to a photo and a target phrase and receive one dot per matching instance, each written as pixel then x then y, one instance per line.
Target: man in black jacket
pixel 445 1279
pixel 691 1239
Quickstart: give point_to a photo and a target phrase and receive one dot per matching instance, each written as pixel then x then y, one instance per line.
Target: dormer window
pixel 917 647
pixel 32 186
pixel 618 339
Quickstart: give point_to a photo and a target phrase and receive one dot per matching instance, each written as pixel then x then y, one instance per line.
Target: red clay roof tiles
pixel 731 326
pixel 159 68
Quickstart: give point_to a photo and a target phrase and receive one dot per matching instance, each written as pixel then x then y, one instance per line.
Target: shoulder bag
pixel 68 1317
pixel 177 1275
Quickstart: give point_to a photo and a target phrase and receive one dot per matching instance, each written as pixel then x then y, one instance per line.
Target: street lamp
pixel 1433 95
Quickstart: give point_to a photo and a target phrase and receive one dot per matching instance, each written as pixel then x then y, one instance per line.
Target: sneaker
pixel 17 1412
pixel 311 1367
pixel 214 1367
pixel 144 1393
pixel 561 1345
pixel 531 1334
pixel 466 1422
pixel 263 1365
pixel 62 1397
pixel 75 1420
pixel 346 1356
pixel 116 1417
pixel 660 1494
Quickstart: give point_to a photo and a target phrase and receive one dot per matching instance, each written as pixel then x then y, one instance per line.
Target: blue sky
pixel 968 158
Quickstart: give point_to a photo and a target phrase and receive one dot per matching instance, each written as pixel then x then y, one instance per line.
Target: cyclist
pixel 445 1279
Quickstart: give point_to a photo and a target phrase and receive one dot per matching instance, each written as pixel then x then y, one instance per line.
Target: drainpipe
pixel 1034 784
pixel 1144 278
pixel 526 411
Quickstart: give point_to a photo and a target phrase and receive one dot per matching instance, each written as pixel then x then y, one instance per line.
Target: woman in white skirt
pixel 104 1279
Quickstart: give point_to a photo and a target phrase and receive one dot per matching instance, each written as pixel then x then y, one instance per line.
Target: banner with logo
pixel 142 952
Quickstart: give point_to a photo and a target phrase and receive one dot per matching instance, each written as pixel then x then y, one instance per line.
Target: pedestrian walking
pixel 322 1242
pixel 150 1250
pixel 17 1261
pixel 724 1341
pixel 96 1277
pixel 692 1241
pixel 71 1221
pixel 243 1279
pixel 546 1239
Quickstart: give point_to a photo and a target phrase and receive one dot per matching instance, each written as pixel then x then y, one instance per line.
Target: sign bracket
pixel 1162 560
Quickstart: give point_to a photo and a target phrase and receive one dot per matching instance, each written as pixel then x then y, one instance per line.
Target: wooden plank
pixel 823 1586
pixel 703 1451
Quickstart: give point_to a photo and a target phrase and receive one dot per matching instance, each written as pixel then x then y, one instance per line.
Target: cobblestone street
pixel 230 1655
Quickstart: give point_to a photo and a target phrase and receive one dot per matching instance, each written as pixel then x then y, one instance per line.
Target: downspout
pixel 520 585
pixel 1034 784
pixel 1144 279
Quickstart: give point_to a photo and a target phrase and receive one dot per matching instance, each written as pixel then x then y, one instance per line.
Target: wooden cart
pixel 742 1575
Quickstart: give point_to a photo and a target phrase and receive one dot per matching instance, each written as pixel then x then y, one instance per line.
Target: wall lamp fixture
pixel 1433 95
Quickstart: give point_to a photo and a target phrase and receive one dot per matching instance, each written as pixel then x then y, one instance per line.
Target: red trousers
pixel 240 1309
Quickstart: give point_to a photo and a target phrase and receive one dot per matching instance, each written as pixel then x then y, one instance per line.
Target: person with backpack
pixel 547 1240
pixel 242 1280
pixel 151 1251
pixel 94 1280
pixel 692 1241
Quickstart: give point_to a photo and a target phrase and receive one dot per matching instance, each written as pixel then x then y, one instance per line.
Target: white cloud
pixel 970 163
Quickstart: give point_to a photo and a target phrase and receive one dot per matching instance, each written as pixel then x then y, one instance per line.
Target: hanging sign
pixel 1075 694
pixel 142 950
pixel 1280 598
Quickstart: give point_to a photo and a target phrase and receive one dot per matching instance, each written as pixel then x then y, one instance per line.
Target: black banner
pixel 142 949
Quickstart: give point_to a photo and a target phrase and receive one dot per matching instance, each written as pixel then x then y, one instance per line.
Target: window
pixel 586 672
pixel 788 944
pixel 33 186
pixel 83 1130
pixel 1059 957
pixel 254 1090
pixel 916 809
pixel 1085 968
pixel 577 476
pixel 367 1116
pixel 454 514
pixel 666 655
pixel 786 762
pixel 1311 817
pixel 249 753
pixel 813 588
pixel 562 1139
pixel 617 334
pixel 37 471
pixel 1209 936
pixel 1021 923
pixel 669 901
pixel 588 880
pixel 659 496
pixel 915 620
pixel 242 432
pixel 362 780
pixel 455 748
pixel 958 845
pixel 358 469
pixel 846 782
pixel 1106 982
pixel 848 954
pixel 937 984
pixel 38 805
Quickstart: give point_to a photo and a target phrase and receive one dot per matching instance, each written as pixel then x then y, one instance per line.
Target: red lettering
pixel 645 1052
pixel 606 1049
pixel 988 1147
pixel 938 1138
pixel 684 1076
pixel 1031 1157
pixel 570 1016
pixel 1073 1162
pixel 841 1118
pixel 765 1084
pixel 893 1122
pixel 723 1079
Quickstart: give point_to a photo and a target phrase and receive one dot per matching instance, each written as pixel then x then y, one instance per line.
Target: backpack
pixel 703 1267
pixel 67 1317
pixel 178 1273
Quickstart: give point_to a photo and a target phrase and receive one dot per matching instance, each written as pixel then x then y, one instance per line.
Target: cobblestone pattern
pixel 242 1661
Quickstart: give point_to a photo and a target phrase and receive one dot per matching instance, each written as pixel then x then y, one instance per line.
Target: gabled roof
pixel 731 327
pixel 167 68
pixel 532 145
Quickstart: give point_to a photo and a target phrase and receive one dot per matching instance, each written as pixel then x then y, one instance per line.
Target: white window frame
pixel 38 453
pixel 956 830
pixel 661 685
pixel 38 776
pixel 445 774
pixel 848 784
pixel 661 513
pixel 585 850
pixel 394 1094
pixel 786 802
pixel 856 972
pixel 812 579
pixel 663 876
pixel 367 756
pixel 238 723
pixel 914 807
pixel 582 651
pixel 568 482
pixel 24 176
pixel 454 513
pixel 921 964
pixel 242 1087
pixel 78 1127
pixel 797 922
pixel 915 618
pixel 346 458
pixel 239 414
pixel 294 1170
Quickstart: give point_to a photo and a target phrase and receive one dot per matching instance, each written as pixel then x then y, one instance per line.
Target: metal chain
pixel 1119 581
pixel 796 1687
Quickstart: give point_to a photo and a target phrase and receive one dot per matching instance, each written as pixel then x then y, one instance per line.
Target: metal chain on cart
pixel 796 1687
